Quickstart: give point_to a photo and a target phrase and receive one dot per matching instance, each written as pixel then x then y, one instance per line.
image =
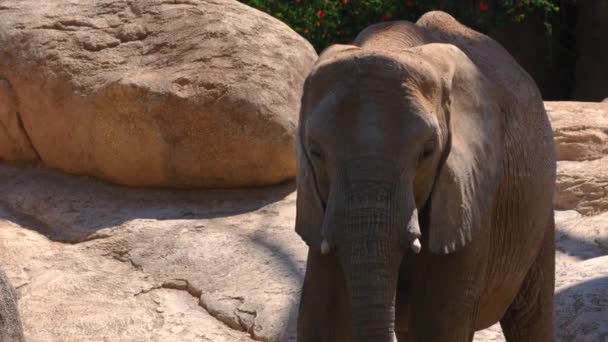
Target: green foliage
pixel 324 22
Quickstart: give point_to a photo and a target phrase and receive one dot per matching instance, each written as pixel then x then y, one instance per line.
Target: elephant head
pixel 394 149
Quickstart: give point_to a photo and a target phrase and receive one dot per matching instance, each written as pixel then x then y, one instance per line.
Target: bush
pixel 324 22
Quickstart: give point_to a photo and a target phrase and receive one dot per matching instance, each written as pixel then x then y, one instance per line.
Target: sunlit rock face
pixel 151 93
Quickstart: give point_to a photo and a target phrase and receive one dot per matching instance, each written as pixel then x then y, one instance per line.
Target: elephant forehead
pixel 370 127
pixel 358 126
pixel 389 123
pixel 360 68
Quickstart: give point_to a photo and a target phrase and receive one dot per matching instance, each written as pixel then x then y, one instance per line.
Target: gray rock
pixel 10 324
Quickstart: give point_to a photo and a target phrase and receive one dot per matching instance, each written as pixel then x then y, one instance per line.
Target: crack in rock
pixel 12 94
pixel 123 256
pixel 148 290
pixel 182 285
pixel 230 310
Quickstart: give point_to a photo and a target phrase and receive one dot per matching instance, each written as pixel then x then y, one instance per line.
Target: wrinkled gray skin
pixel 10 325
pixel 424 133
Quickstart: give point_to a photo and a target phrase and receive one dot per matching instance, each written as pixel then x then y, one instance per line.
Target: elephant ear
pixel 309 206
pixel 461 202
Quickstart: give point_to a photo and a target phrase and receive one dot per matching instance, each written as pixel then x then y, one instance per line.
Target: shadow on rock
pixel 582 311
pixel 71 209
pixel 296 273
pixel 579 248
pixel 581 237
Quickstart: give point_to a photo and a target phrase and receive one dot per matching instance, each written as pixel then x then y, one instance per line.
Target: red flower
pixel 323 35
pixel 318 24
pixel 483 6
pixel 298 1
pixel 345 2
pixel 306 31
pixel 409 3
pixel 320 14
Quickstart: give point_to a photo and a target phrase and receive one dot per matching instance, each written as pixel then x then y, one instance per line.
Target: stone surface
pixel 121 264
pixel 582 303
pixel 578 238
pixel 197 93
pixel 582 186
pixel 10 323
pixel 580 129
pixel 125 264
pixel 581 139
pixel 14 142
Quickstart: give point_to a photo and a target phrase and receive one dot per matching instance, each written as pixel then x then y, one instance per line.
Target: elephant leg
pixel 324 313
pixel 447 294
pixel 530 315
pixel 402 301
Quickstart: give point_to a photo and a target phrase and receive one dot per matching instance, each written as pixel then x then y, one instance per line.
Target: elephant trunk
pixel 370 255
pixel 372 283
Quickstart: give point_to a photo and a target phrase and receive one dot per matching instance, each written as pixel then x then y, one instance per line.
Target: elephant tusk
pixel 416 246
pixel 324 247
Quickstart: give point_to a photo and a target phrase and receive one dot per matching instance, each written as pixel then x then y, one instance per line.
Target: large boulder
pixel 581 139
pixel 10 324
pixel 197 93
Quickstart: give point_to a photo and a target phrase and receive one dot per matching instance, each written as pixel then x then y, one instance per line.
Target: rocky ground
pixel 99 262
pixel 96 262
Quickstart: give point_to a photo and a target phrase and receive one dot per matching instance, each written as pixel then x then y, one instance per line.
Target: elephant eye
pixel 316 153
pixel 427 150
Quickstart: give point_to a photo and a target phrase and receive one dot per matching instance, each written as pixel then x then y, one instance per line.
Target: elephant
pixel 10 324
pixel 425 180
